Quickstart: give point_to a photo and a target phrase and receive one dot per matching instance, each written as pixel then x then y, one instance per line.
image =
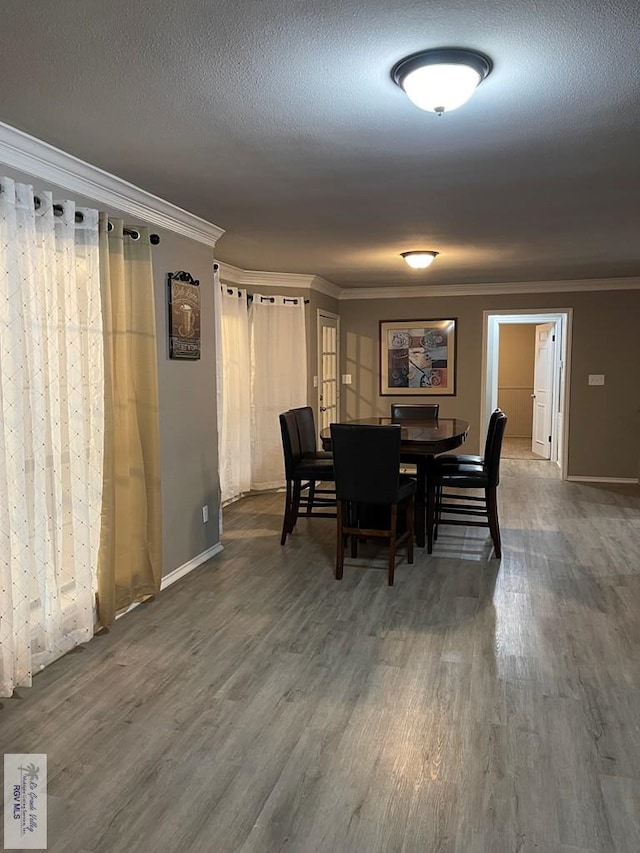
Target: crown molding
pixel 41 160
pixel 322 285
pixel 513 287
pixel 255 279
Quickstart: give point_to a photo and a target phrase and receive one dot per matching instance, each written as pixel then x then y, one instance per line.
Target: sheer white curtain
pixel 51 389
pixel 233 369
pixel 278 379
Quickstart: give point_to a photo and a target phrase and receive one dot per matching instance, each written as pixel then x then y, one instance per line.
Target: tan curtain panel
pixel 129 566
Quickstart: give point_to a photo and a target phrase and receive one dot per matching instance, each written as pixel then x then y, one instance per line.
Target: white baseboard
pixel 190 565
pixel 180 572
pixel 632 480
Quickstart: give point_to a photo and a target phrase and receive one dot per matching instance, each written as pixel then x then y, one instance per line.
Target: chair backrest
pixel 495 434
pixel 306 428
pixel 290 442
pixel 420 412
pixel 491 428
pixel 366 462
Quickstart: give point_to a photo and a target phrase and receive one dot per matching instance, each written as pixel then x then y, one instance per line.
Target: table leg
pixel 420 503
pixel 431 499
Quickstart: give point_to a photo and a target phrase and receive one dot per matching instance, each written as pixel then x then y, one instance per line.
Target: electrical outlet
pixel 205 514
pixel 596 379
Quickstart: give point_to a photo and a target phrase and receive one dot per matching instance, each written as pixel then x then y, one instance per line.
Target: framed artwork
pixel 184 315
pixel 417 357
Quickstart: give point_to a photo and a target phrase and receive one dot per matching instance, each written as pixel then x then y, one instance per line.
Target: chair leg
pixel 295 504
pixel 431 501
pixel 352 515
pixel 420 505
pixel 438 510
pixel 339 540
pixel 312 494
pixel 491 495
pixel 287 513
pixel 392 542
pixel 410 513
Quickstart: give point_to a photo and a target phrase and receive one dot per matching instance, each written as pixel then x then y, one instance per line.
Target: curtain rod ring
pixel 154 239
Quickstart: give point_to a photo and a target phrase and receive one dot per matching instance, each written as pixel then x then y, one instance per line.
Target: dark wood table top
pixel 428 437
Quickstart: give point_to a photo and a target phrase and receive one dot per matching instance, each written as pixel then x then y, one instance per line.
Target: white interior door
pixel 328 388
pixel 543 390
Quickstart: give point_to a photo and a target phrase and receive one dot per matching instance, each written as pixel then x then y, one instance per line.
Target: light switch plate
pixel 596 379
pixel 346 379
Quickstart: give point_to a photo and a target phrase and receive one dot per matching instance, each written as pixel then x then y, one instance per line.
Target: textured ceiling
pixel 277 120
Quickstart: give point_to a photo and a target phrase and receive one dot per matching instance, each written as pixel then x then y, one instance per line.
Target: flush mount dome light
pixel 419 259
pixel 442 79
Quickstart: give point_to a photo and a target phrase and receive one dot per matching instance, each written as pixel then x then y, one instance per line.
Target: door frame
pixel 321 312
pixel 563 318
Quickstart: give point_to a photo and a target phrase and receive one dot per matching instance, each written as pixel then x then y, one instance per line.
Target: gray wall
pixel 187 396
pixel 604 422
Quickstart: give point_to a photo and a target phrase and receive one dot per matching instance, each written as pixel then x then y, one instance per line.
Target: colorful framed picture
pixel 417 358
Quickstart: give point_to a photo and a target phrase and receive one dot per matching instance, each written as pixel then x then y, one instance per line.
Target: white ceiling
pixel 278 121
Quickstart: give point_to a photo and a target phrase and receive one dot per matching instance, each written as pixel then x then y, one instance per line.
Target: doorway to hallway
pixel 525 370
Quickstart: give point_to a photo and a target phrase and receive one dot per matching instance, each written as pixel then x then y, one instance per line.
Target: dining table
pixel 420 443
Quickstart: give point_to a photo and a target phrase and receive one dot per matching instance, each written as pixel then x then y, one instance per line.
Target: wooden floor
pixel 478 706
pixel 517 447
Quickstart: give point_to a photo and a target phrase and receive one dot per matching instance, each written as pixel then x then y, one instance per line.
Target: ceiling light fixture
pixel 442 79
pixel 419 259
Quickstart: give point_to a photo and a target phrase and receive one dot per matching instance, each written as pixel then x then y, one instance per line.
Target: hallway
pixel 518 459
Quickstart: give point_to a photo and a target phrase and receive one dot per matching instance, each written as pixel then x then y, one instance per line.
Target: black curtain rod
pixel 294 299
pixel 154 239
pixel 250 297
pixel 58 210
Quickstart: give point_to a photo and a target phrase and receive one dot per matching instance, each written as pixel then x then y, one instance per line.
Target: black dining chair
pixel 419 412
pixel 415 463
pixel 306 424
pixel 401 412
pixel 370 490
pixel 465 509
pixel 301 474
pixel 414 412
pixel 468 458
